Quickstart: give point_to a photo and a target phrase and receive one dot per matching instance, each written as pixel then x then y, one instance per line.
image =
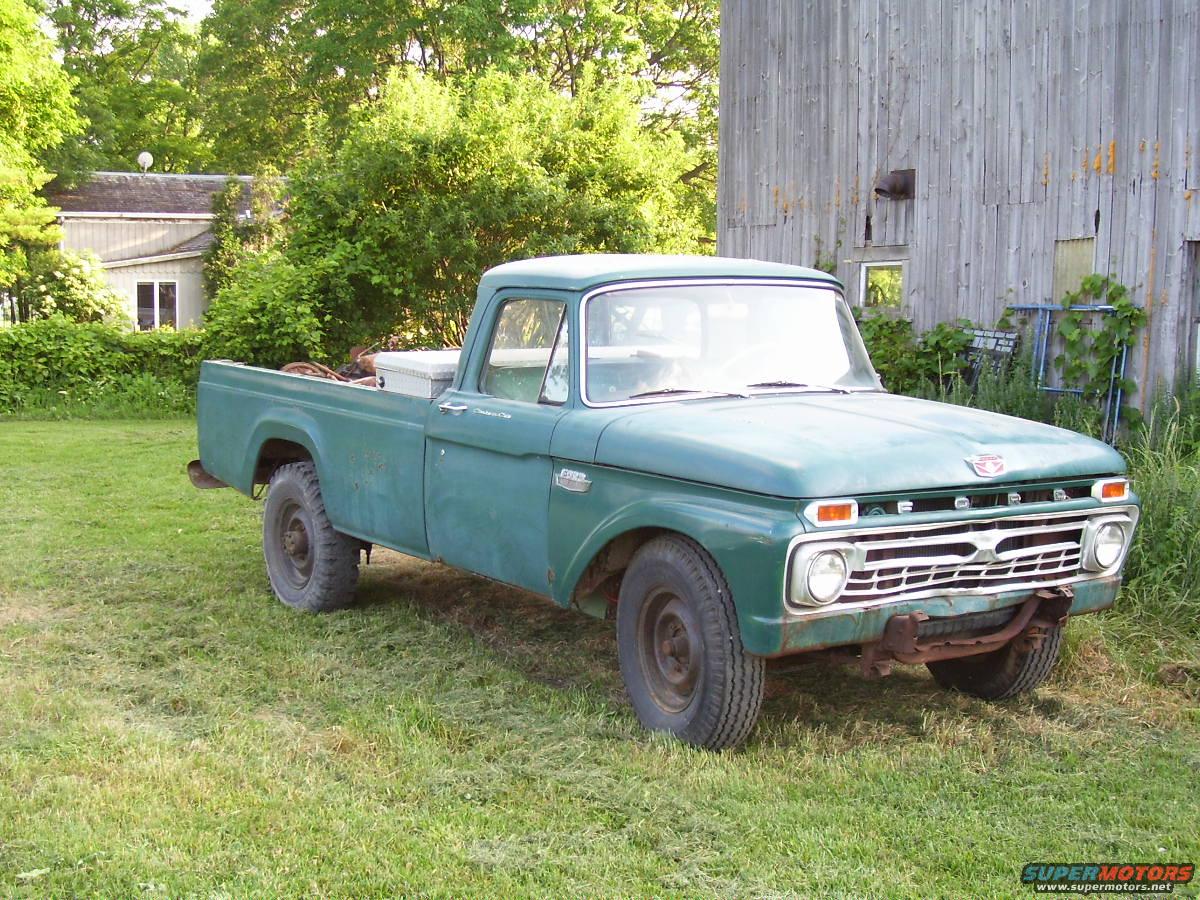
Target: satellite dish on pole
pixel 145 159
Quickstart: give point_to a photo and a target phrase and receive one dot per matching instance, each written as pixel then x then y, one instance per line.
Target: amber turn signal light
pixel 1111 489
pixel 824 513
pixel 835 512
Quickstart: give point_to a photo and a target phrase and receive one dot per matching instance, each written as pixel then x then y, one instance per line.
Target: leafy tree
pixel 437 182
pixel 282 78
pixel 242 225
pixel 36 114
pixel 133 63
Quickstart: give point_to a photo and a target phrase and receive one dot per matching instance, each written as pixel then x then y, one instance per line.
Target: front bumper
pixel 836 627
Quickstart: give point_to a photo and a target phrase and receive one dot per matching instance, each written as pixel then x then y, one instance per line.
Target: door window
pixel 529 356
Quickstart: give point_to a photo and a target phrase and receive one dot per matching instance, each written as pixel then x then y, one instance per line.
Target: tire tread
pixel 1003 673
pixel 335 577
pixel 723 725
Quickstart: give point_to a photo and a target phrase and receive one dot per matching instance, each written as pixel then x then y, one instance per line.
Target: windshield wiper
pixel 797 384
pixel 662 392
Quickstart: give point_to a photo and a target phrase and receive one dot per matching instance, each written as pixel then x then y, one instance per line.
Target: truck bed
pixel 369 444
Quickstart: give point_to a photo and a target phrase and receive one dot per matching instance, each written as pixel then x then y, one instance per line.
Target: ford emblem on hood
pixel 987 465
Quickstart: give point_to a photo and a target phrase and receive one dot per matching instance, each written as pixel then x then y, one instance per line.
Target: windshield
pixel 676 341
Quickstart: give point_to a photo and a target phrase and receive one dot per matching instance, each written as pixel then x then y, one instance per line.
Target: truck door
pixel 487 461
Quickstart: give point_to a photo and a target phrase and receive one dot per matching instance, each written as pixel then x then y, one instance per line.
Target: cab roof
pixel 584 271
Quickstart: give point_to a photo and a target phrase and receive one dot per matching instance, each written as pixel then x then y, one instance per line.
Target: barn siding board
pixel 1022 119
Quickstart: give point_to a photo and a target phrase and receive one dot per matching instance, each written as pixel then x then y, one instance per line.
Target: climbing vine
pixel 907 360
pixel 1090 357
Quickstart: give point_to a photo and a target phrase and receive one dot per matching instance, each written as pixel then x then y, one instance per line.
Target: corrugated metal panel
pixel 1027 121
pixel 113 239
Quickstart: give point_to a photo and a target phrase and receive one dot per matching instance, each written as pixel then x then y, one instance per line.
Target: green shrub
pixel 56 357
pixel 67 284
pixel 909 363
pixel 1164 562
pixel 142 396
pixel 265 315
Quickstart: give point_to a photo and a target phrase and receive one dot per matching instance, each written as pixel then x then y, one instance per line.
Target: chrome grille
pixel 986 555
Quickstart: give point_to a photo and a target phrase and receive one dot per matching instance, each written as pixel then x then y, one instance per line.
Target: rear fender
pixel 291 425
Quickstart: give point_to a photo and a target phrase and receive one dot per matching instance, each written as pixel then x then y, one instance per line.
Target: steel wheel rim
pixel 672 654
pixel 294 537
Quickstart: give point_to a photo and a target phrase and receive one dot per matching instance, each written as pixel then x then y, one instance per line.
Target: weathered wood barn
pixel 982 152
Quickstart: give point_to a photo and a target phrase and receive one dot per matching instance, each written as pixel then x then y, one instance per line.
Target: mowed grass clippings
pixel 168 728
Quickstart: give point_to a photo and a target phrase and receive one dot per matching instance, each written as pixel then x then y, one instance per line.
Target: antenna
pixel 145 159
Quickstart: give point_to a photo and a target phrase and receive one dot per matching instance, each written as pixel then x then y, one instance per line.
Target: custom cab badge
pixel 987 465
pixel 574 481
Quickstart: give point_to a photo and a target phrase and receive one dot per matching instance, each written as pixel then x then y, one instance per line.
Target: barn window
pixel 882 284
pixel 157 304
pixel 1074 260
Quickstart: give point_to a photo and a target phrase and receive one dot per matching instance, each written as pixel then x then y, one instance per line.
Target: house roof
pixel 142 194
pixel 197 244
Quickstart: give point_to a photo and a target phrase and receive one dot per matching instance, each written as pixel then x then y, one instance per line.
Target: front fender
pixel 746 535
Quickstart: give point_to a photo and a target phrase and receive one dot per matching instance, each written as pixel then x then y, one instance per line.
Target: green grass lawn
pixel 167 728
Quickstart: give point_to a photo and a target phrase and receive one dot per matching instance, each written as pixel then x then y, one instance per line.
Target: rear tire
pixel 680 648
pixel 1002 673
pixel 312 566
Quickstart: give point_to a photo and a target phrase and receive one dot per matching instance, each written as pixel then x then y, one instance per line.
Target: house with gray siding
pixel 149 232
pixel 960 156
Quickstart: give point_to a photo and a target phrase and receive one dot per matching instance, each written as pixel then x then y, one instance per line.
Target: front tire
pixel 680 648
pixel 312 566
pixel 1003 673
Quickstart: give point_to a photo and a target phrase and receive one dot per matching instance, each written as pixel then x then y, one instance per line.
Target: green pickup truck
pixel 700 449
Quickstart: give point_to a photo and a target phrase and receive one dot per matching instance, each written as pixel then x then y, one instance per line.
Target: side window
pixel 528 335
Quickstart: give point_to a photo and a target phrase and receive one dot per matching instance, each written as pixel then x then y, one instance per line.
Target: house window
pixel 157 304
pixel 882 284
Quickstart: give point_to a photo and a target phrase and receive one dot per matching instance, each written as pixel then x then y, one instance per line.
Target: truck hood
pixel 832 445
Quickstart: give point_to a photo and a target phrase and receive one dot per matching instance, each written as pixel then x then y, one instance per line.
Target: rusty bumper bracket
pixel 901 641
pixel 201 479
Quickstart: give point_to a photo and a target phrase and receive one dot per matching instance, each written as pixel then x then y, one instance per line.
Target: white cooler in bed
pixel 416 373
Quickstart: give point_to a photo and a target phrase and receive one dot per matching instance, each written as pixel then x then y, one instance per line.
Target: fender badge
pixel 572 480
pixel 987 465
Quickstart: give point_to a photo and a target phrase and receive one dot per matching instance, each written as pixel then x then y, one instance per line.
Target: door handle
pixel 453 408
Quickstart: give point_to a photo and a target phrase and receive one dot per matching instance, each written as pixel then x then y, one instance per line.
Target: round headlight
pixel 1108 545
pixel 826 576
